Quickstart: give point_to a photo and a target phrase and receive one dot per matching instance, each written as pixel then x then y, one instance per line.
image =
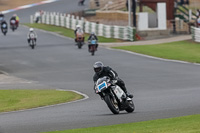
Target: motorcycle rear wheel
pixel 112 105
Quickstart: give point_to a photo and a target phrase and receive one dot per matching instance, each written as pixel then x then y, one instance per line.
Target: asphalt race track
pixel 162 89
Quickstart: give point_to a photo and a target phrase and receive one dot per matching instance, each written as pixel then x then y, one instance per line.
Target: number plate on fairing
pixel 4 25
pixel 93 42
pixel 32 36
pixel 102 86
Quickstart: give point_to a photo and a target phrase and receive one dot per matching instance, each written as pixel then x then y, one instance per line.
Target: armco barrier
pixel 70 22
pixel 196 34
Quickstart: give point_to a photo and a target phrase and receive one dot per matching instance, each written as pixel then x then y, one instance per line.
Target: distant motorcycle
pixel 80 39
pixel 92 46
pixel 32 41
pixel 13 25
pixel 113 95
pixel 4 28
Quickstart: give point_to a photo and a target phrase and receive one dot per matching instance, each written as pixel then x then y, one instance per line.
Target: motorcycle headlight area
pixel 102 86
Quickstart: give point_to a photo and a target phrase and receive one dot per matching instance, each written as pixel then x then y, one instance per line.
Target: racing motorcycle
pixel 92 45
pixel 4 28
pixel 113 95
pixel 32 41
pixel 13 25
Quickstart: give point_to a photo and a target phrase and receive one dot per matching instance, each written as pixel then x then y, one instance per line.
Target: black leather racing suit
pixel 107 71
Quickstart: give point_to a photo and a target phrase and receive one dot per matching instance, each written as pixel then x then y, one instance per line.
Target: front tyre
pixel 33 44
pixel 79 45
pixel 92 53
pixel 131 106
pixel 112 104
pixel 4 33
pixel 92 50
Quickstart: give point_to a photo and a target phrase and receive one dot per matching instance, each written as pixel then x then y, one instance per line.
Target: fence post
pixel 93 27
pixel 116 31
pixel 31 19
pixel 112 31
pixel 121 32
pixel 97 29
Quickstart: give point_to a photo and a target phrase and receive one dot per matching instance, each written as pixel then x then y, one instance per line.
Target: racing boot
pixel 127 93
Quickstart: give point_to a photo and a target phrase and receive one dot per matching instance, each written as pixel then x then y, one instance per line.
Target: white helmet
pixel 31 29
pixel 78 26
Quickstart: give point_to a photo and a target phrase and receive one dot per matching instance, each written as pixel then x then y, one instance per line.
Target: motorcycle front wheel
pixel 112 104
pixel 92 50
pixel 79 45
pixel 131 106
pixel 4 32
pixel 33 44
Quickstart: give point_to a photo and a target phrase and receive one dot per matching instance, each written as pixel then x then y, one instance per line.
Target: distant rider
pixel 78 29
pixel 101 71
pixel 31 34
pixel 92 37
pixel 16 18
pixel 4 25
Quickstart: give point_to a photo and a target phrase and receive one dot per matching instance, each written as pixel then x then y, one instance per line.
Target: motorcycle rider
pixel 4 25
pixel 101 71
pixel 31 32
pixel 78 28
pixel 92 37
pixel 16 18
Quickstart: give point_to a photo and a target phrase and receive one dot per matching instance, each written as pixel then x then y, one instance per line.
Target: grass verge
pixel 68 32
pixel 183 50
pixel 186 124
pixel 12 100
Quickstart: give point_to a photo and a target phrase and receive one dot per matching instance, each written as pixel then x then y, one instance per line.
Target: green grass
pixel 186 124
pixel 183 50
pixel 12 100
pixel 68 32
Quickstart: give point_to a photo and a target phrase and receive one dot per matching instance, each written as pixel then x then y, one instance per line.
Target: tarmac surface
pixel 10 82
pixel 58 64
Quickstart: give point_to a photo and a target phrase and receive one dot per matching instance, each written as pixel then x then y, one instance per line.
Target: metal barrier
pixel 70 22
pixel 196 34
